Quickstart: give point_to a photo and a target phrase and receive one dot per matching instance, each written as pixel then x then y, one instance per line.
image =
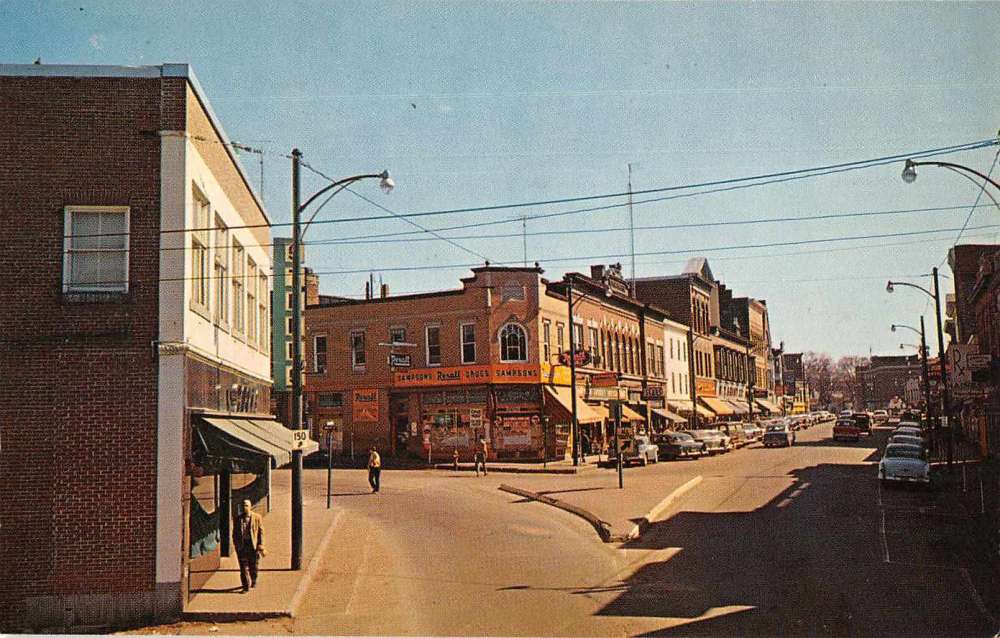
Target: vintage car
pixel 752 432
pixel 779 435
pixel 639 449
pixel 678 445
pixel 846 429
pixel 715 441
pixel 904 463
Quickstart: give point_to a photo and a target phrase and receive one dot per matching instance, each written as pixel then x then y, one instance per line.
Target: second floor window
pixel 358 349
pixel 560 338
pixel 319 353
pixel 433 335
pixel 239 256
pixel 96 247
pixel 468 343
pixel 513 343
pixel 547 341
pixel 397 335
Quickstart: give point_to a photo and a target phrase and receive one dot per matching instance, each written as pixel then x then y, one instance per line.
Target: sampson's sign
pixel 468 375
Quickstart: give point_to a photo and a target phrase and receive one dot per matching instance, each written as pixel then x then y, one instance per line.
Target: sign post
pixel 329 463
pixel 616 407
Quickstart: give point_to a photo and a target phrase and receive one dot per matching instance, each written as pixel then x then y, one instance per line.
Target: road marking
pixel 976 598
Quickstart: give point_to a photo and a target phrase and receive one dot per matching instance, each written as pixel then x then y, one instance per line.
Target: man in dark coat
pixel 248 539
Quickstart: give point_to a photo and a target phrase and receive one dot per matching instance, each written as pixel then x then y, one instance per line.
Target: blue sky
pixel 476 104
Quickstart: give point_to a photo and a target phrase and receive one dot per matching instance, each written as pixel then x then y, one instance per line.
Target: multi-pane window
pixel 397 334
pixel 514 343
pixel 560 342
pixel 433 342
pixel 651 358
pixel 319 353
pixel 468 343
pixel 219 270
pixel 358 349
pixel 595 342
pixel 263 316
pixel 578 335
pixel 660 362
pixel 251 301
pixel 239 256
pixel 96 249
pixel 546 341
pixel 199 253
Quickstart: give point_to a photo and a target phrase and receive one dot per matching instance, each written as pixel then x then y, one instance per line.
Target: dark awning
pixel 669 416
pixel 244 444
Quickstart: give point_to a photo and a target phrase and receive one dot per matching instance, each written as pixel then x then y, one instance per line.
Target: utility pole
pixel 691 377
pixel 631 225
pixel 524 238
pixel 751 374
pixel 945 400
pixel 575 430
pixel 926 373
pixel 296 366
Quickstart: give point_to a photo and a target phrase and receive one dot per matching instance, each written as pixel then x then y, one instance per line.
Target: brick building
pixel 884 380
pixel 488 359
pixel 134 313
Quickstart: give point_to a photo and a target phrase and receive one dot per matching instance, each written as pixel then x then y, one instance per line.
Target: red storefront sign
pixel 468 375
pixel 364 405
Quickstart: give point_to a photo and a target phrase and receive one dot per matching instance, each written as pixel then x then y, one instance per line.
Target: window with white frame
pixel 358 358
pixel 468 342
pixel 200 266
pixel 96 249
pixel 578 336
pixel 251 301
pixel 513 343
pixel 239 257
pixel 660 360
pixel 595 343
pixel 432 335
pixel 219 270
pixel 319 353
pixel 264 317
pixel 560 337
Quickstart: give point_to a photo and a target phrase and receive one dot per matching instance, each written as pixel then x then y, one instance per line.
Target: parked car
pixel 846 414
pixel 908 430
pixel 846 429
pixel 880 416
pixel 904 463
pixel 734 431
pixel 910 424
pixel 864 422
pixel 908 439
pixel 639 449
pixel 779 435
pixel 752 432
pixel 678 445
pixel 715 441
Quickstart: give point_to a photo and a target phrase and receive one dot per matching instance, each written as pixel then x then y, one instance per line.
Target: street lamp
pixel 936 296
pixel 923 360
pixel 910 172
pixel 387 185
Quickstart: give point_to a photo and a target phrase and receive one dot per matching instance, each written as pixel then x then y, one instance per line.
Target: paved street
pixel 771 542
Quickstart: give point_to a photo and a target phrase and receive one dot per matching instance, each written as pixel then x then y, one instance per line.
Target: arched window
pixel 513 343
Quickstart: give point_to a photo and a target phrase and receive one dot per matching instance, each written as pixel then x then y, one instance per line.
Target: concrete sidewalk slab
pixel 279 590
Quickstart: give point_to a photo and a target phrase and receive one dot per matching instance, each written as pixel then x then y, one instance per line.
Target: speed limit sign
pixel 300 438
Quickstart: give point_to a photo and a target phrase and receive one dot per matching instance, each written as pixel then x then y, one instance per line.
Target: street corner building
pixel 426 375
pixel 135 359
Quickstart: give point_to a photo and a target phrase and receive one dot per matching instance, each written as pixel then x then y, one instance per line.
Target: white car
pixel 639 449
pixel 907 439
pixel 904 463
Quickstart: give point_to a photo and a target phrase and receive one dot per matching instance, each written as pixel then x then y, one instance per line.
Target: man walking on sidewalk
pixel 482 451
pixel 374 469
pixel 248 537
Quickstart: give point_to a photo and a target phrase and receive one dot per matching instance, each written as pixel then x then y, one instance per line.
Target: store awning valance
pixel 564 397
pixel 718 406
pixel 685 408
pixel 767 405
pixel 239 445
pixel 739 407
pixel 669 416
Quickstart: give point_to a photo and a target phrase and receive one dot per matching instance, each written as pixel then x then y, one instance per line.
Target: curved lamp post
pixel 910 171
pixel 936 296
pixel 923 360
pixel 296 408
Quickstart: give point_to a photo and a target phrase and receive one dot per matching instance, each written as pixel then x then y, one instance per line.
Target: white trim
pixel 326 353
pixel 68 237
pixel 427 345
pixel 524 332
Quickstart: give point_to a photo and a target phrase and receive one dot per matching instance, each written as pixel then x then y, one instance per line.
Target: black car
pixel 678 445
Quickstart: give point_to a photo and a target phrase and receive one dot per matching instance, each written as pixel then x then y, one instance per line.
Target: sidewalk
pixel 623 513
pixel 279 589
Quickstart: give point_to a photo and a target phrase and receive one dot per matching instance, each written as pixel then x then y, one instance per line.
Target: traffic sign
pixel 300 438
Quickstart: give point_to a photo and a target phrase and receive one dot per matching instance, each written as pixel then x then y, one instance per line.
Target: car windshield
pixel 907 431
pixel 899 451
pixel 846 424
pixel 776 428
pixel 905 438
pixel 680 437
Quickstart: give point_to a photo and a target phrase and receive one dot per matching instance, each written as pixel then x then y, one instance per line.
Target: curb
pixel 508 469
pixel 639 528
pixel 603 528
pixel 264 614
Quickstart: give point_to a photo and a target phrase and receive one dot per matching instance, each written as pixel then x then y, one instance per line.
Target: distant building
pixel 884 380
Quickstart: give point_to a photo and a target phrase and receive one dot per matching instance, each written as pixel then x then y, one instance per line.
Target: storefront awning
pixel 628 414
pixel 564 397
pixel 669 416
pixel 739 407
pixel 235 444
pixel 718 406
pixel 685 408
pixel 767 405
